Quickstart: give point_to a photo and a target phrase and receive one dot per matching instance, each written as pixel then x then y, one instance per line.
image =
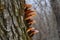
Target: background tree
pixel 56 9
pixel 46 19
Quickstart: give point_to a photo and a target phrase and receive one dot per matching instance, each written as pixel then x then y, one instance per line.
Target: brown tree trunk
pixel 11 20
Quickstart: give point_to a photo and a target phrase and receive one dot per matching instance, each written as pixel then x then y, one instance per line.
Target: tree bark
pixel 11 20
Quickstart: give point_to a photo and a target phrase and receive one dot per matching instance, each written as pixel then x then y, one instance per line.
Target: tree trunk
pixel 11 20
pixel 56 8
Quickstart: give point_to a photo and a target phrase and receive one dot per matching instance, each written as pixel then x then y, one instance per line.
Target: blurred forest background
pixel 12 26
